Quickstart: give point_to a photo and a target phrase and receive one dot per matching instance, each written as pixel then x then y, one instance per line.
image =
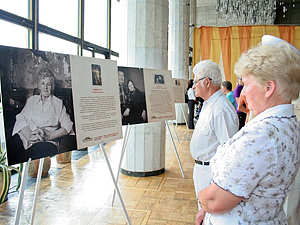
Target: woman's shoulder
pixel 33 99
pixel 137 92
pixel 56 100
pixel 269 127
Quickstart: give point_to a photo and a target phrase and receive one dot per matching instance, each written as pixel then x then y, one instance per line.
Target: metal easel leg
pixel 116 185
pixel 37 189
pixel 187 127
pixel 21 194
pixel 121 159
pixel 174 146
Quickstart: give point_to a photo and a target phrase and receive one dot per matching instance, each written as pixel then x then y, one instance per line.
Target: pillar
pixel 145 29
pixel 178 55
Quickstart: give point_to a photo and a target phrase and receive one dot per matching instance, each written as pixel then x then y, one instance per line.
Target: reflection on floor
pixel 81 192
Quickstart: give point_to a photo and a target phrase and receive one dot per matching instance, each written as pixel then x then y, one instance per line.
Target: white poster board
pixel 180 86
pixel 96 100
pixel 159 95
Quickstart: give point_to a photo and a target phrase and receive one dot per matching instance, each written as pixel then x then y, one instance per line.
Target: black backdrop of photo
pixel 137 76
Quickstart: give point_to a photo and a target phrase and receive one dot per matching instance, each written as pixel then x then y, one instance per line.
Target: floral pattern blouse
pixel 258 163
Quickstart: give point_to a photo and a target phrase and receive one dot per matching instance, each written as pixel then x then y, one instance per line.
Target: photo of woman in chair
pixel 43 127
pixel 135 111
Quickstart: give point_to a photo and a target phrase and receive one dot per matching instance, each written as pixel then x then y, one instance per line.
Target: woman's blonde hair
pixel 278 62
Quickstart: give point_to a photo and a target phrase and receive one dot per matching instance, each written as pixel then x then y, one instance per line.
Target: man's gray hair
pixel 209 69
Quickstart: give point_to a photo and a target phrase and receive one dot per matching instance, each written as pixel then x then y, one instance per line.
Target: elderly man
pixel 218 121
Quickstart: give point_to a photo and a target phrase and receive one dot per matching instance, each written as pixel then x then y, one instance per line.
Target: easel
pixel 37 188
pixel 116 184
pixel 176 122
pixel 21 194
pixel 127 131
pixel 175 149
pixel 187 127
pixel 22 190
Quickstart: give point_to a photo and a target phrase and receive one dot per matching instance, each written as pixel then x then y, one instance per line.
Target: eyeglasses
pixel 195 82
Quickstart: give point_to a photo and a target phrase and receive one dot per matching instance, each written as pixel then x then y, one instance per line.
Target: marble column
pixel 145 29
pixel 178 54
pixel 192 26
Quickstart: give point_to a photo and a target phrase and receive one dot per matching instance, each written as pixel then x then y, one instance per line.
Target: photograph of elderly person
pixel 135 111
pixel 41 125
pixel 159 79
pixel 217 121
pixel 253 171
pixel 96 74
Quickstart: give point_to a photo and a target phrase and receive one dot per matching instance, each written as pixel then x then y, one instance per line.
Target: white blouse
pixel 50 115
pixel 259 163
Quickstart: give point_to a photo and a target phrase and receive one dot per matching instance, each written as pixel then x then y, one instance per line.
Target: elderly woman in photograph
pixel 135 111
pixel 40 125
pixel 253 171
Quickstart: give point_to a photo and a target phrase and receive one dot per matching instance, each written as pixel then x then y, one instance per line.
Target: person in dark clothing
pixel 191 103
pixel 136 105
pixel 236 94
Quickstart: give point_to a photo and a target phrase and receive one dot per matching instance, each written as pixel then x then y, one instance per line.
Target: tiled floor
pixel 81 192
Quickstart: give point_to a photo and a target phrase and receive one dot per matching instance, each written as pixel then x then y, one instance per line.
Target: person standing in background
pixel 243 107
pixel 191 104
pixel 236 94
pixel 227 90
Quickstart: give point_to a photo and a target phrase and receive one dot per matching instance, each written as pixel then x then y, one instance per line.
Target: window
pixel 60 15
pixel 17 7
pixel 86 53
pixel 99 56
pixel 95 22
pixel 117 16
pixel 62 18
pixel 15 36
pixel 53 44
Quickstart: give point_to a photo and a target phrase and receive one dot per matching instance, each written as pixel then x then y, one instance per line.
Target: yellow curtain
pixel 225 36
pixel 224 45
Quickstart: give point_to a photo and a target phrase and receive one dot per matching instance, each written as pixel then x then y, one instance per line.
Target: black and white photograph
pixel 37 104
pixel 159 79
pixel 132 95
pixel 96 74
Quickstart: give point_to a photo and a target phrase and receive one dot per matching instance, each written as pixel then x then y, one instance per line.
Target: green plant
pixel 5 170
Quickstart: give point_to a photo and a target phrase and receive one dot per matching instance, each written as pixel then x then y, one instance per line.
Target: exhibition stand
pixel 84 111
